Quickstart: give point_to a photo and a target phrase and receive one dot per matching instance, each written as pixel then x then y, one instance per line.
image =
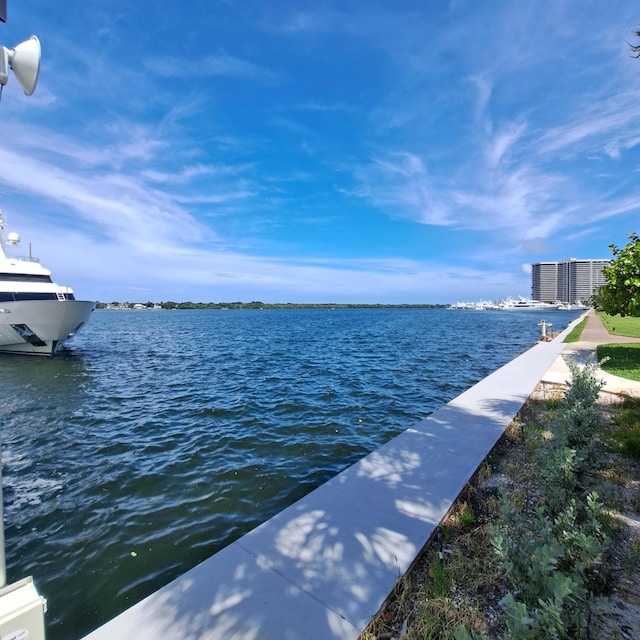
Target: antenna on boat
pixel 24 61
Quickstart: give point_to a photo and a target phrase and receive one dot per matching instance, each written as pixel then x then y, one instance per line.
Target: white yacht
pixel 37 316
pixel 568 306
pixel 524 304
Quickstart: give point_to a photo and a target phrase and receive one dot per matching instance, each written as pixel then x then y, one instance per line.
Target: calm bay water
pixel 160 437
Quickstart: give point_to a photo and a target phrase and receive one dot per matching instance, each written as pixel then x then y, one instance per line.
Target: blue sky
pixel 325 151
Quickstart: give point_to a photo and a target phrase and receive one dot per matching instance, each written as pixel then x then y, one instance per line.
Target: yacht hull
pixel 41 327
pixel 522 307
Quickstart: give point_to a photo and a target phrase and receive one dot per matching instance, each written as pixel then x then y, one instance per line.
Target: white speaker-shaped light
pixel 24 61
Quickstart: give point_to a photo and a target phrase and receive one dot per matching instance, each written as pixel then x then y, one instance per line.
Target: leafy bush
pixel 554 563
pixel 584 387
pixel 553 566
pixel 558 476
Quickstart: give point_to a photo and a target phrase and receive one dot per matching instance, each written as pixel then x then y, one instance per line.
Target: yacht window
pixel 18 296
pixel 23 277
pixel 34 296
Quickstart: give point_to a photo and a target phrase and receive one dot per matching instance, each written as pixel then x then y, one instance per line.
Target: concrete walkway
pixel 584 351
pixel 320 569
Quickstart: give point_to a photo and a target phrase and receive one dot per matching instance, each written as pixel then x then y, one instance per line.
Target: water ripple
pixel 163 436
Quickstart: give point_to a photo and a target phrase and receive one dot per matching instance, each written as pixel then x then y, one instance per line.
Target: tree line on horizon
pixel 170 305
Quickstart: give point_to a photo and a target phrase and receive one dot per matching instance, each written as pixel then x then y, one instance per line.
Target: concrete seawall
pixel 322 567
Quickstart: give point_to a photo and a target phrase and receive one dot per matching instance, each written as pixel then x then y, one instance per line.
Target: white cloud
pixel 115 204
pixel 220 64
pixel 501 143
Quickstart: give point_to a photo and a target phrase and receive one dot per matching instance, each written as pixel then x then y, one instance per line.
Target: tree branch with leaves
pixel 621 294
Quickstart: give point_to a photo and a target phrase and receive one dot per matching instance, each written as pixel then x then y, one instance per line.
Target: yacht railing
pixel 25 258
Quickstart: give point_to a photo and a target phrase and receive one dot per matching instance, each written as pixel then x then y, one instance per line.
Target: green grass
pixel 627 432
pixel 619 326
pixel 576 332
pixel 621 359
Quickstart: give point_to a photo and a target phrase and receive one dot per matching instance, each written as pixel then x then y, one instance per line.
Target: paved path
pixel 596 333
pixel 584 351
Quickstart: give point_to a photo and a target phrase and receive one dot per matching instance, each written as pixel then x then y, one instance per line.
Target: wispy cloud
pixel 219 64
pixel 605 127
pixel 117 204
pixel 399 184
pixel 500 144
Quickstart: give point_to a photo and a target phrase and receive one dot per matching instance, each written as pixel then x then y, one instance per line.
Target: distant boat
pixel 483 305
pixel 37 316
pixel 568 306
pixel 525 304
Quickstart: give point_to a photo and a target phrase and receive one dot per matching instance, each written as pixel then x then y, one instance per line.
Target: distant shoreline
pixel 126 306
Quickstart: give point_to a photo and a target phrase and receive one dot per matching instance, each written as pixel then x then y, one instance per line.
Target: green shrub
pixel 553 566
pixel 554 563
pixel 584 387
pixel 558 476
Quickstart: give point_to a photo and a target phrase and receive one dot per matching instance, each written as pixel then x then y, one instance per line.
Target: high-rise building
pixel 567 281
pixel 544 281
